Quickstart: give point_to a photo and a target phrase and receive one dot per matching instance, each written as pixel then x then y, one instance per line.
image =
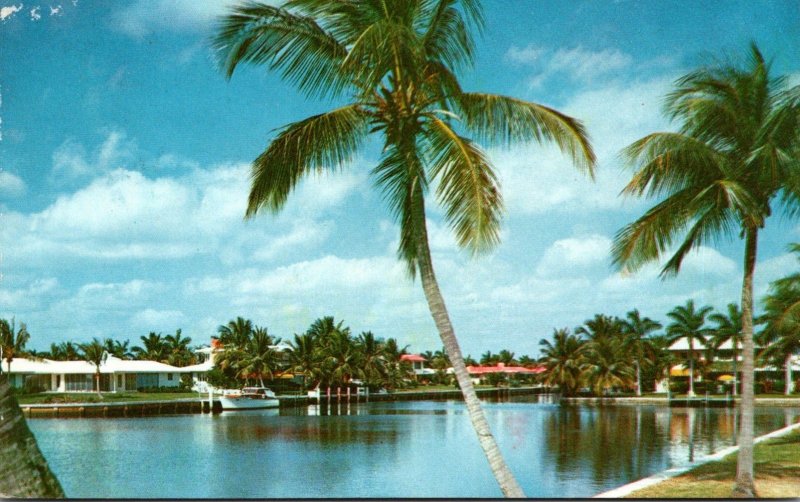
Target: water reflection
pixel 373 450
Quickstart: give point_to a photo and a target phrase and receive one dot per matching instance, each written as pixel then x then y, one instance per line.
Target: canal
pixel 412 449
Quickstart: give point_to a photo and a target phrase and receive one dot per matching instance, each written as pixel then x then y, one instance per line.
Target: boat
pixel 248 398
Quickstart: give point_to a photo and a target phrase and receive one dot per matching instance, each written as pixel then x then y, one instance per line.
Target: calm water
pixel 403 449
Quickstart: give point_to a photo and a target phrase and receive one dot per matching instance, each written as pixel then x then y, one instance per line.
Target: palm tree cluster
pixel 326 355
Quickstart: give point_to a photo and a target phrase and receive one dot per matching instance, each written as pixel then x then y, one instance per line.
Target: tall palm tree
pixel 564 361
pixel 728 329
pixel 394 64
pixel 94 353
pixel 12 341
pixel 600 326
pixel 259 359
pixel 688 322
pixel 734 154
pixel 637 330
pixel 304 358
pixel 372 358
pixel 64 351
pixel 607 364
pixel 119 349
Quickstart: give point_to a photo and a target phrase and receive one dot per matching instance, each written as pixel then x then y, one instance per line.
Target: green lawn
pixel 777 469
pixel 85 397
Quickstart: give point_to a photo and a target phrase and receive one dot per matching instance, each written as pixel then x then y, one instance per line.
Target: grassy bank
pixel 777 469
pixel 84 397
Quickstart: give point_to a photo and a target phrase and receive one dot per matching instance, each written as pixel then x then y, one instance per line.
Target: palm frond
pixel 324 141
pixel 294 45
pixel 467 189
pixel 494 118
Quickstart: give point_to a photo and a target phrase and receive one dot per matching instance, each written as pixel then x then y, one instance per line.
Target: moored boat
pixel 249 398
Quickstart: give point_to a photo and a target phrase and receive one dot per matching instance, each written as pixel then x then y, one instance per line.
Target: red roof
pixel 413 358
pixel 501 368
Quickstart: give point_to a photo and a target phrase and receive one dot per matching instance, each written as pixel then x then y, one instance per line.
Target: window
pixel 119 381
pixel 169 376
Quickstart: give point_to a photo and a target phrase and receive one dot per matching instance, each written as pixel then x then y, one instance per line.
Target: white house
pixel 79 376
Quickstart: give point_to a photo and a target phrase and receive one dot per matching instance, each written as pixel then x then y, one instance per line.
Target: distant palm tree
pixel 489 359
pixel 12 341
pixel 341 358
pixel 305 358
pixel 64 351
pixel 119 349
pixel 735 153
pixel 372 358
pixel 729 329
pixel 607 364
pixel 396 63
pixel 177 349
pixel 781 335
pixel 94 353
pixel 236 332
pixel 259 359
pixel 600 326
pixel 506 357
pixel 689 323
pixel 564 361
pixel 154 348
pixel 637 330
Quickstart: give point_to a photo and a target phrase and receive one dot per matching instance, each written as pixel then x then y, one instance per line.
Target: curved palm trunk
pixel 502 473
pixel 745 484
pixel 24 472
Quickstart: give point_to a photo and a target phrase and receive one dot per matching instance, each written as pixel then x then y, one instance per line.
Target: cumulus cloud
pixel 144 17
pixel 158 320
pixel 72 160
pixel 568 256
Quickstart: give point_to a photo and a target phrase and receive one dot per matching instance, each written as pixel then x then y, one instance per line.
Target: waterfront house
pixel 79 376
pixel 479 373
pixel 418 364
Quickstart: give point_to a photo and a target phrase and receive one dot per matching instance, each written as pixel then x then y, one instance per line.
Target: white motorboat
pixel 248 398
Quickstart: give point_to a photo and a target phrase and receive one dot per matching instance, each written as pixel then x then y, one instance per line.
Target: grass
pixel 777 470
pixel 91 397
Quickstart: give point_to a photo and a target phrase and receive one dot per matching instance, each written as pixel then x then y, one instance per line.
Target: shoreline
pixel 672 472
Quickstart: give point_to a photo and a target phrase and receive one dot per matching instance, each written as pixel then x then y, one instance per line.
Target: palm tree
pixel 396 64
pixel 781 335
pixel 177 348
pixel 729 329
pixel 154 348
pixel 258 360
pixel 689 323
pixel 12 343
pixel 236 332
pixel 119 349
pixel 734 154
pixel 607 364
pixel 506 357
pixel 372 360
pixel 23 468
pixel 304 358
pixel 64 351
pixel 638 329
pixel 564 361
pixel 94 353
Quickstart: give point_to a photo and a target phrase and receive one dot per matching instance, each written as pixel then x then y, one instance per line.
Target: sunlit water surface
pixel 389 449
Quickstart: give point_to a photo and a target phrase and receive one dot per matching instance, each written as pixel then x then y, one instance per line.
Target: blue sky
pixel 124 168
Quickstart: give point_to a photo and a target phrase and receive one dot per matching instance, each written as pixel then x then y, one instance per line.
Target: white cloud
pixel 147 16
pixel 27 296
pixel 569 256
pixel 71 159
pixel 11 185
pixel 157 320
pixel 9 10
pixel 577 63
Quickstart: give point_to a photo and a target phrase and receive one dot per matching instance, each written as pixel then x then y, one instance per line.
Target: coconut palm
pixel 734 154
pixel 371 355
pixel 304 358
pixel 64 351
pixel 177 348
pixel 394 66
pixel 236 332
pixel 564 361
pixel 154 348
pixel 728 329
pixel 607 364
pixel 637 329
pixel 258 358
pixel 94 353
pixel 688 322
pixel 12 341
pixel 600 326
pixel 119 349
